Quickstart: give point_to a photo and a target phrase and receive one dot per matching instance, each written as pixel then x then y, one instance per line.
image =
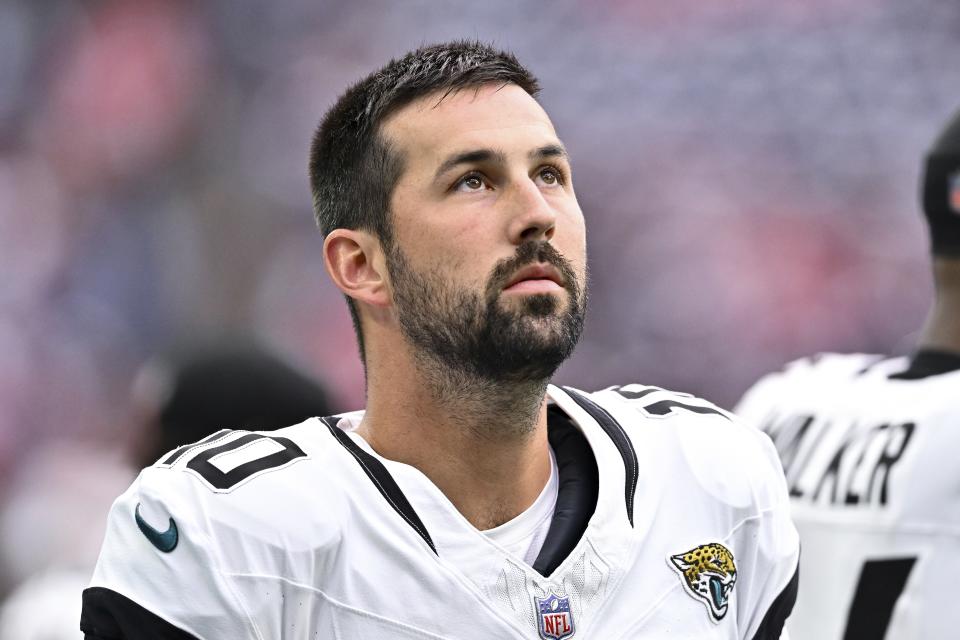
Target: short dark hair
pixel 353 169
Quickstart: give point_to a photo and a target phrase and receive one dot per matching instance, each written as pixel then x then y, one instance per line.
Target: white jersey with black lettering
pixel 671 520
pixel 869 446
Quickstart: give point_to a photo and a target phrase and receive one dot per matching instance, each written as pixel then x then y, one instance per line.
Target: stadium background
pixel 748 171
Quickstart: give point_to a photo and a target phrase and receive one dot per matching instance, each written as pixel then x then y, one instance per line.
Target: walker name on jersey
pixel 843 464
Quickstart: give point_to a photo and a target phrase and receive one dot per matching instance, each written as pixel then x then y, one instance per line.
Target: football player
pixel 471 499
pixel 869 447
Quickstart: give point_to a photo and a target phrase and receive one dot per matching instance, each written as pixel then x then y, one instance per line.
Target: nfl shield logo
pixel 954 193
pixel 554 619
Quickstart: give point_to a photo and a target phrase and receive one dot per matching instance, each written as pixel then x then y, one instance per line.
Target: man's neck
pixel 482 443
pixel 942 329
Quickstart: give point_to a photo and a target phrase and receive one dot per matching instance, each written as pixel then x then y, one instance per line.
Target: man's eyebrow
pixel 470 157
pixel 550 151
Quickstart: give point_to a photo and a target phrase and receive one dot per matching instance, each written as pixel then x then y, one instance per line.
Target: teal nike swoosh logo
pixel 165 541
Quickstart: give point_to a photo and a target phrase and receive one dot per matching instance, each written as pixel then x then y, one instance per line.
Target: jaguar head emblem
pixel 709 574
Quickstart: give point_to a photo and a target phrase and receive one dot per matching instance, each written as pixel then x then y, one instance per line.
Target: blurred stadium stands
pixel 745 168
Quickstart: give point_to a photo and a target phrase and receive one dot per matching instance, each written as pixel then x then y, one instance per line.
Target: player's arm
pixel 159 574
pixel 770 586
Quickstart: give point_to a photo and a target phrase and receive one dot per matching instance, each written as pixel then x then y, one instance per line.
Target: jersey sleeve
pixel 159 572
pixel 770 566
pixel 802 377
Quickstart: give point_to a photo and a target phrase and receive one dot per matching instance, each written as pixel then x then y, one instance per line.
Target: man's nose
pixel 532 217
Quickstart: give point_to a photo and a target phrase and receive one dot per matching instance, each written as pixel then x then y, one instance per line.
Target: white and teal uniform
pixel 669 519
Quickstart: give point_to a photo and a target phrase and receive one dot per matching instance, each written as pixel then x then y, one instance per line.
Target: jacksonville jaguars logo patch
pixel 708 573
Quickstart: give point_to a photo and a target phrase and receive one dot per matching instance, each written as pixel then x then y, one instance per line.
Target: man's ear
pixel 354 261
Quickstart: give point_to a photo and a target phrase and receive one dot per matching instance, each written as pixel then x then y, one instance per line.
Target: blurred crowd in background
pixel 748 171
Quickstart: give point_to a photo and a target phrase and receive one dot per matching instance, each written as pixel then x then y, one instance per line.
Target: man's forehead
pixel 468 116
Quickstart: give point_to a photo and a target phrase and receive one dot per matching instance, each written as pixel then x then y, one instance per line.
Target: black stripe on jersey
pixel 772 624
pixel 107 615
pixel 620 440
pixel 383 481
pixel 182 450
pixel 577 490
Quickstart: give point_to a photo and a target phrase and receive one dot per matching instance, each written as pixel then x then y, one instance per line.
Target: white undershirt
pixel 524 535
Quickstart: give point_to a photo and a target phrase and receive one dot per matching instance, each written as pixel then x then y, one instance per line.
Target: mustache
pixel 530 253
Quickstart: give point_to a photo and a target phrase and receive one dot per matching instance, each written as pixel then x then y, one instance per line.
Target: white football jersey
pixel 671 520
pixel 869 446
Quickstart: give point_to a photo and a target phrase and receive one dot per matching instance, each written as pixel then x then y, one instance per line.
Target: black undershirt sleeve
pixel 107 615
pixel 772 625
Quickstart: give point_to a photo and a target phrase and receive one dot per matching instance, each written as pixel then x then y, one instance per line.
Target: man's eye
pixel 550 176
pixel 472 182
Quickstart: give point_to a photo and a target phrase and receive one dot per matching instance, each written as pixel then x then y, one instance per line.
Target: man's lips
pixel 535 278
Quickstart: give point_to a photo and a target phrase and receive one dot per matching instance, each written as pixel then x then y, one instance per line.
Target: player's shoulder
pixel 230 459
pixel 812 376
pixel 830 368
pixel 651 412
pixel 647 402
pixel 677 430
pixel 234 503
pixel 645 409
pixel 260 483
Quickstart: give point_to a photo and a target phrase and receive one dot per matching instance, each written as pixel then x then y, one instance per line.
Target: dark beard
pixel 473 335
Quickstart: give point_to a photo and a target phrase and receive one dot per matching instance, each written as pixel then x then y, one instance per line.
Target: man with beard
pixel 471 499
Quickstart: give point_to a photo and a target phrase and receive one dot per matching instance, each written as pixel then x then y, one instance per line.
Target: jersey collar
pixel 929 362
pixel 597 470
